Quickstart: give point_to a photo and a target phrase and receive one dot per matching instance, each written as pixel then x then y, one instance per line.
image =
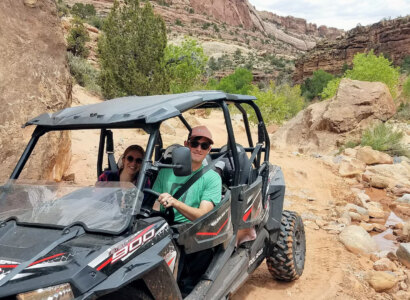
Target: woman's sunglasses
pixel 130 159
pixel 195 144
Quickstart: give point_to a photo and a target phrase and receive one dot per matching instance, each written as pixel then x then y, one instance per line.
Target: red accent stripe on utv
pixel 214 233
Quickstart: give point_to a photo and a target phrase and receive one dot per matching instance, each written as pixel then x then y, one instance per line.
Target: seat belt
pixel 195 177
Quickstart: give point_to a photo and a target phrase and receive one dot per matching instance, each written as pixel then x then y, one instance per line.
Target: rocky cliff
pixel 33 79
pixel 391 37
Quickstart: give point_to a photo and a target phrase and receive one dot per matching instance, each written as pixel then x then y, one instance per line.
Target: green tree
pixel 369 67
pixel 77 38
pixel 131 51
pixel 185 65
pixel 237 83
pixel 330 90
pixel 313 86
pixel 405 65
pixel 83 11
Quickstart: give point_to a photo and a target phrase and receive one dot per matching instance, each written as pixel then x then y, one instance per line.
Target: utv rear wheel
pixel 287 259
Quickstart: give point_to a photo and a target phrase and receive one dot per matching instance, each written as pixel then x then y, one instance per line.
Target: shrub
pixel 331 88
pixel 84 73
pixel 77 38
pixel 406 88
pixel 403 112
pixel 313 86
pixel 96 21
pixel 237 83
pixel 178 22
pixel 83 11
pixel 185 65
pixel 405 65
pixel 62 8
pixel 277 103
pixel 369 67
pixel 384 138
pixel 131 51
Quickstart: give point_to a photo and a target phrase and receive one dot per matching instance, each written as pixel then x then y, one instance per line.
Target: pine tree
pixel 131 51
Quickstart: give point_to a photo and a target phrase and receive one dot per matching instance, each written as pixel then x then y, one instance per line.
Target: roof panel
pixel 147 109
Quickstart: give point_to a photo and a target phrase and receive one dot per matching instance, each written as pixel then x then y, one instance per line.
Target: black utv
pixel 104 241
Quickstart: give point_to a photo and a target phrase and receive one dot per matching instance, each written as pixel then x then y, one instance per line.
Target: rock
pixel 360 210
pixel 381 281
pixel 401 295
pixel 350 152
pixel 392 256
pixel 321 223
pixel 167 128
pixel 357 240
pixel 403 254
pixel 393 175
pixel 30 3
pixel 404 199
pixel 400 191
pixel 311 225
pixel 366 226
pixel 334 228
pixel 69 177
pixel 378 182
pixel 308 216
pixel 379 227
pixel 352 167
pixel 372 157
pixel 384 264
pixel 375 209
pixel 355 216
pixel 403 286
pixel 377 220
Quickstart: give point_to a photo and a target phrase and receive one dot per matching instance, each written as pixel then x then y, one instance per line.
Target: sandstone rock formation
pixel 326 125
pixel 33 79
pixel 391 38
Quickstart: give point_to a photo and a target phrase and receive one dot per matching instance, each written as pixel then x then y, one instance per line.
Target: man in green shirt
pixel 203 194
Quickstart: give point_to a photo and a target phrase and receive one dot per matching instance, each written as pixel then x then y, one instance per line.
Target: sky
pixel 342 14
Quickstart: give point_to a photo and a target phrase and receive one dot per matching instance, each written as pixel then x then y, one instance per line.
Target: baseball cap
pixel 201 131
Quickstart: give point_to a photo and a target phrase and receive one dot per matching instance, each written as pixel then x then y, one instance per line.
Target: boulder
pixel 404 199
pixel 372 157
pixel 403 254
pixel 393 175
pixel 375 209
pixel 357 240
pixel 350 152
pixel 384 264
pixel 351 167
pixel 326 125
pixel 377 181
pixel 380 280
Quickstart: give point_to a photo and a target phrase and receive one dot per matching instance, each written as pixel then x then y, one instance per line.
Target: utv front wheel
pixel 287 259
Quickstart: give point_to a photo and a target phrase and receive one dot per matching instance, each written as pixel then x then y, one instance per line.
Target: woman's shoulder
pixel 109 176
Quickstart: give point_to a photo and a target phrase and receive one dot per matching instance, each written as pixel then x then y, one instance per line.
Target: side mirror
pixel 181 159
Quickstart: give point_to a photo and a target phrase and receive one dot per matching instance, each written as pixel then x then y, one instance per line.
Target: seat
pixel 229 170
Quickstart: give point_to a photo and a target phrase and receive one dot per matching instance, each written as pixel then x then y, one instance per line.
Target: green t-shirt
pixel 208 187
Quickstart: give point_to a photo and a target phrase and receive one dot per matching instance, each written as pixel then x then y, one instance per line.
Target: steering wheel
pixel 168 215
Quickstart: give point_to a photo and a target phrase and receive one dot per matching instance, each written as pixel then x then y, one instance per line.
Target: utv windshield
pixel 105 206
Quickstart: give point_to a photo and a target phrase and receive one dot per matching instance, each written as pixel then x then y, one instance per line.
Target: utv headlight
pixel 57 292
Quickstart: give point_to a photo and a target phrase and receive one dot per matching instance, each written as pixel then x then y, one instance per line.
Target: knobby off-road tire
pixel 287 260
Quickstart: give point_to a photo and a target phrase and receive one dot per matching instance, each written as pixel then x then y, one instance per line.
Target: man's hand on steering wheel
pixel 166 200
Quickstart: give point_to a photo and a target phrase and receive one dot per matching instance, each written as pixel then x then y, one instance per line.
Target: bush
pixel 84 73
pixel 405 65
pixel 330 90
pixel 77 38
pixel 62 8
pixel 277 103
pixel 384 138
pixel 406 88
pixel 403 112
pixel 96 21
pixel 369 67
pixel 313 86
pixel 185 65
pixel 237 83
pixel 131 51
pixel 83 11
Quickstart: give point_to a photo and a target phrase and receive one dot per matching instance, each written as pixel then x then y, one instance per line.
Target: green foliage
pixel 83 11
pixel 405 65
pixel 216 29
pixel 277 103
pixel 403 112
pixel 77 38
pixel 185 64
pixel 384 138
pixel 84 73
pixel 330 90
pixel 131 51
pixel 313 86
pixel 62 8
pixel 369 67
pixel 349 144
pixel 96 21
pixel 178 22
pixel 237 83
pixel 206 26
pixel 406 88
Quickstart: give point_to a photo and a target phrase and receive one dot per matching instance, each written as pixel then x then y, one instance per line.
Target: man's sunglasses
pixel 204 145
pixel 131 158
